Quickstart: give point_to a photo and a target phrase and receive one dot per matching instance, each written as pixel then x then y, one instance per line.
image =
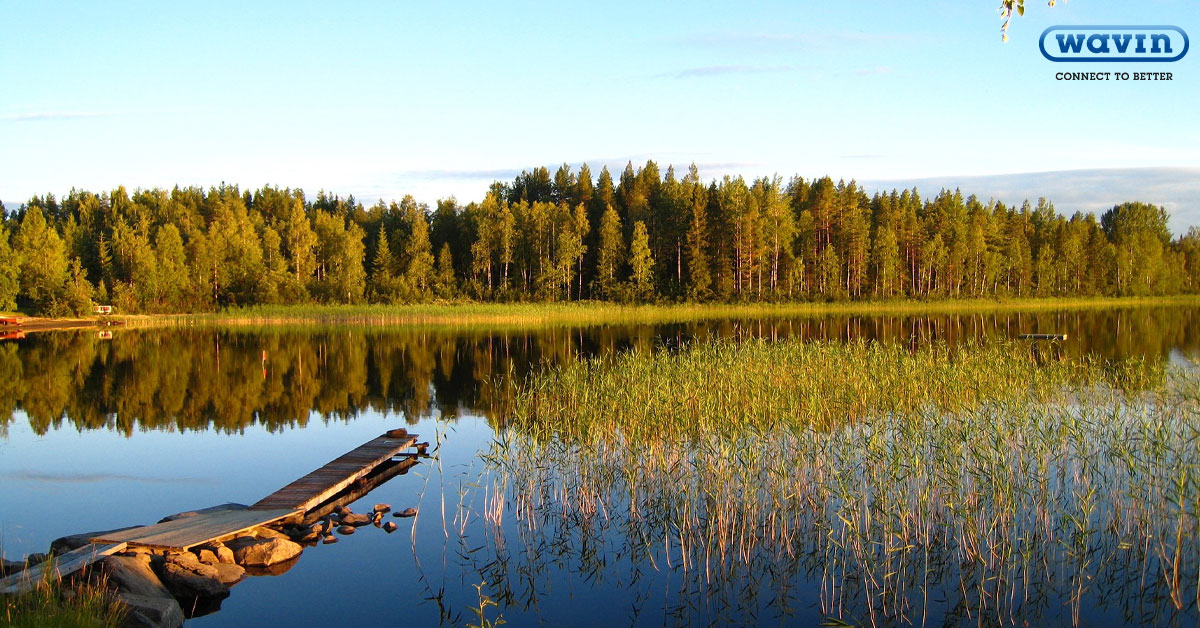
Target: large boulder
pixel 150 611
pixel 253 552
pixel 187 578
pixel 229 574
pixel 133 574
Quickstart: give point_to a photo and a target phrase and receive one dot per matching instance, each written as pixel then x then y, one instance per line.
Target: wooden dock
pixel 320 485
pixel 361 487
pixel 63 565
pixel 294 500
pixel 188 532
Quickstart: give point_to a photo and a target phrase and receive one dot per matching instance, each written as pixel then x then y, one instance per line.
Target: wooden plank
pixel 189 532
pixel 360 488
pixel 63 565
pixel 329 480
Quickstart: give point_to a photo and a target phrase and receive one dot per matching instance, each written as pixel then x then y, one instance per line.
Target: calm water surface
pixel 104 433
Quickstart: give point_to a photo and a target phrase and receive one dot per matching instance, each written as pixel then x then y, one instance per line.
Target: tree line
pixel 648 236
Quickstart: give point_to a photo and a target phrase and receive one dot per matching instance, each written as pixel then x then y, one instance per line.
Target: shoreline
pixel 583 314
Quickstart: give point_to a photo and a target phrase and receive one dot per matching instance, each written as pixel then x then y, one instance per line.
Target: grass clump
pixel 55 604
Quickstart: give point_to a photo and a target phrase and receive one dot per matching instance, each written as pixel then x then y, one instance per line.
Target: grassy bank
pixel 524 315
pixel 1024 487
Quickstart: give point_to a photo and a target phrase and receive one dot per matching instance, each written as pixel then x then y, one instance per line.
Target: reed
pixel 53 603
pixel 984 483
pixel 494 316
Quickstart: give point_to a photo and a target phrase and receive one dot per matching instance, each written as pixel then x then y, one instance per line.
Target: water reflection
pixel 226 379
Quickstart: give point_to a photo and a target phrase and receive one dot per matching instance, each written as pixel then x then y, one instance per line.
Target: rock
pixel 151 611
pixel 356 520
pixel 193 513
pixel 187 578
pixel 390 527
pixel 306 537
pixel 407 512
pixel 383 508
pixel 329 538
pixel 252 552
pixel 229 574
pixel 10 567
pixel 133 575
pixel 345 529
pixel 224 554
pixel 207 556
pixel 341 510
pixel 264 532
pixel 320 527
pixel 278 569
pixel 35 559
pixel 64 544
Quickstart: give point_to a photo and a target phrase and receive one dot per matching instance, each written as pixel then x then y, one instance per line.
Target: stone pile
pixel 162 587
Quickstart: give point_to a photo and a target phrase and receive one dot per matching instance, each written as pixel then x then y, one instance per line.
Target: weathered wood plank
pixel 360 488
pixel 189 532
pixel 63 565
pixel 329 480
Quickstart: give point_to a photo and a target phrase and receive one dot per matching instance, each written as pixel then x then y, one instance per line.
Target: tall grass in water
pixel 55 604
pixel 493 316
pixel 985 484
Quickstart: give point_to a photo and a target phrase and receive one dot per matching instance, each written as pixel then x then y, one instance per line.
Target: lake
pixel 104 433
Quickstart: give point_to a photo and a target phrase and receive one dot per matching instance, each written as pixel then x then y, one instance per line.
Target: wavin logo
pixel 1113 43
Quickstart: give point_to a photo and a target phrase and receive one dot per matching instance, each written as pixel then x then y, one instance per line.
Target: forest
pixel 647 237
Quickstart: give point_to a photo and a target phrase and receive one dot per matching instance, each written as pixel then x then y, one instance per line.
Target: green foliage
pixel 641 264
pixel 445 283
pixel 611 250
pixel 480 611
pixel 10 273
pixel 417 279
pixel 43 260
pixel 52 604
pixel 546 238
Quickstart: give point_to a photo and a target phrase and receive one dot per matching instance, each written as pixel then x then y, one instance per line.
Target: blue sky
pixel 439 99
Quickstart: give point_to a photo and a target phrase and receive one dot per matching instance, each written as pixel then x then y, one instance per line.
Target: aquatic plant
pixel 985 483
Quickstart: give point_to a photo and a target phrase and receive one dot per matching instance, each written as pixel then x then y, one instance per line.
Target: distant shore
pixel 586 313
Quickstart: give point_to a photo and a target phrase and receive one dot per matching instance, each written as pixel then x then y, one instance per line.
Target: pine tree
pixel 383 276
pixel 609 257
pixel 417 278
pixel 699 279
pixel 641 264
pixel 886 259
